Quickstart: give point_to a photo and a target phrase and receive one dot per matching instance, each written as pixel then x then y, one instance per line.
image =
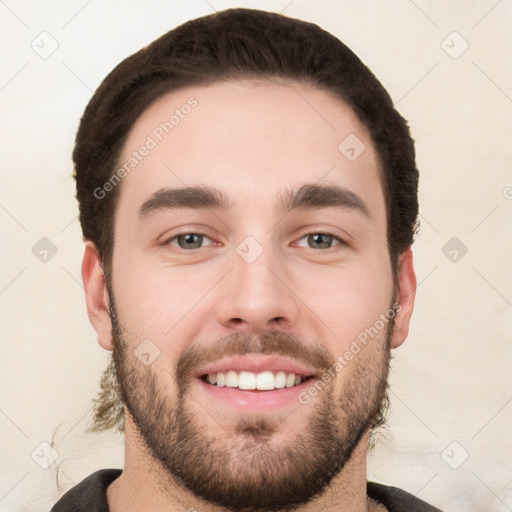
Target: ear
pixel 406 293
pixel 96 295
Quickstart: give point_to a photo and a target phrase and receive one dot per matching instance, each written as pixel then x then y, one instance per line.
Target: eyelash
pixel 340 241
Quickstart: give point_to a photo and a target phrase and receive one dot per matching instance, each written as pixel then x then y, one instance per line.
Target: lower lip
pixel 255 401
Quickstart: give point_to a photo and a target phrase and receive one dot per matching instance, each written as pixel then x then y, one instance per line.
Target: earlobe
pixel 406 294
pixel 96 295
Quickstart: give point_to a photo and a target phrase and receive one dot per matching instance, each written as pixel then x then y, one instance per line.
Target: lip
pixel 253 401
pixel 256 364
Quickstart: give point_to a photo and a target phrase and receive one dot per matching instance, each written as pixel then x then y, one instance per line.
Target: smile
pixel 263 381
pixel 253 384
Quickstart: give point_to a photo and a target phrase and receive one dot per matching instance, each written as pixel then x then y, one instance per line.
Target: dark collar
pixel 90 496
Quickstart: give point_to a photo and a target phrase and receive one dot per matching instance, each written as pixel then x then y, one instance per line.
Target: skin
pixel 253 140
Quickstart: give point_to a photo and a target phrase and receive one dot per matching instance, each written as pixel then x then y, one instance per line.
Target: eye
pixel 187 240
pixel 321 240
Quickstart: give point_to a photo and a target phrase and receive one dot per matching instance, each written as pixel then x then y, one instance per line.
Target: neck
pixel 146 485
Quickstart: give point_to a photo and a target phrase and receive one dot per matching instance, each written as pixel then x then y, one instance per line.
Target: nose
pixel 257 295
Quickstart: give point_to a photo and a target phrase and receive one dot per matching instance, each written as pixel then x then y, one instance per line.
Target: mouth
pixel 252 393
pixel 253 384
pixel 250 381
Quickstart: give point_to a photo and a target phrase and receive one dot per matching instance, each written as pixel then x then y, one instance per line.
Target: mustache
pixel 271 342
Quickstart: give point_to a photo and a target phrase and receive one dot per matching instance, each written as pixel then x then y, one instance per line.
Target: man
pixel 248 199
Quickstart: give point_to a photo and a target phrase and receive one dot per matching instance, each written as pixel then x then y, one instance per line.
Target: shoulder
pixel 89 495
pixel 397 500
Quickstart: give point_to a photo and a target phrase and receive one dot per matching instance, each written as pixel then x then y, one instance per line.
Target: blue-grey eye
pixel 320 240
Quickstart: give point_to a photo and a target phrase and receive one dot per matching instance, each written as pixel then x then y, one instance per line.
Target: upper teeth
pixel 248 380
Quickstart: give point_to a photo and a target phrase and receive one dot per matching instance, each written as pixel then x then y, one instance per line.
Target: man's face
pixel 253 287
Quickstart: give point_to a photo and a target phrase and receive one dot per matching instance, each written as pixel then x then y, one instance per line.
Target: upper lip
pixel 255 364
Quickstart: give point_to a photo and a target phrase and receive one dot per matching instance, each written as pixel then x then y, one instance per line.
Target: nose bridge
pixel 256 263
pixel 255 295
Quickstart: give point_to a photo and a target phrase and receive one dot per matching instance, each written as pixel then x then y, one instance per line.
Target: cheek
pixel 156 300
pixel 346 300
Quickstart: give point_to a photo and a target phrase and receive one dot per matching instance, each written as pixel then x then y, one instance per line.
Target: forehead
pixel 250 138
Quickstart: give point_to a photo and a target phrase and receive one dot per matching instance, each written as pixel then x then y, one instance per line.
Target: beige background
pixel 451 380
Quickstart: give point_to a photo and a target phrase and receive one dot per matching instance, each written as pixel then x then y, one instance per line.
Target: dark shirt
pixel 90 496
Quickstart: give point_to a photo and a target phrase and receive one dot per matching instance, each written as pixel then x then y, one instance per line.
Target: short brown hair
pixel 232 44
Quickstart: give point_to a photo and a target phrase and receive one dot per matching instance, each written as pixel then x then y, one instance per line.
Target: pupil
pixel 189 239
pixel 320 240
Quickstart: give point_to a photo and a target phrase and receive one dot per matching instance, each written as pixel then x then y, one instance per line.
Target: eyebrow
pixel 309 197
pixel 198 197
pixel 312 196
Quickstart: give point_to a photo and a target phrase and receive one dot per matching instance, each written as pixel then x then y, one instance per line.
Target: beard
pixel 239 468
